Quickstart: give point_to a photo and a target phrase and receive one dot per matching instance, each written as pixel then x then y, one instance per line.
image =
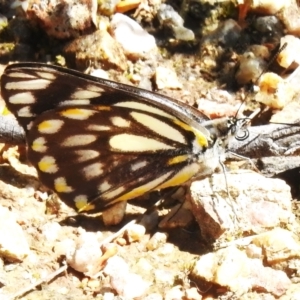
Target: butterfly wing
pixel 95 142
pixel 29 89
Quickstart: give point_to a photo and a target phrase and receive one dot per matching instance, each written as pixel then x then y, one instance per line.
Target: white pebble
pixel 51 231
pixel 290 53
pixel 157 240
pixel 135 232
pixel 166 78
pixel 134 39
pixel 13 243
pixel 87 255
pixel 130 286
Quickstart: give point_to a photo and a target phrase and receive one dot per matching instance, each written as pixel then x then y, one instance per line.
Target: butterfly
pixel 96 142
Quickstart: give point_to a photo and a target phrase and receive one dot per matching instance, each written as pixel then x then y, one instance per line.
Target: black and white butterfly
pixel 96 142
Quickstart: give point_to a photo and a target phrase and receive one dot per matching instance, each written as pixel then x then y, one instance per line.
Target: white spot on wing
pixel 114 193
pixel 60 185
pixel 20 75
pixel 79 140
pixel 138 165
pixel 96 127
pixel 92 170
pixel 75 102
pixel 25 112
pixel 39 145
pixel 120 122
pixel 50 126
pixel 34 84
pixel 128 142
pixel 95 88
pixel 85 94
pixel 104 186
pixel 46 75
pixel 159 127
pixel 143 107
pixel 84 155
pixel 81 200
pixel 48 164
pixel 22 98
pixel 77 113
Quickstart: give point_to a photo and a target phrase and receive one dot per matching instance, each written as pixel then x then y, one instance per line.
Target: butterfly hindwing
pixel 111 148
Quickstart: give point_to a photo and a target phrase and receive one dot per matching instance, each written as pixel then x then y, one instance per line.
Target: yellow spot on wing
pixel 39 145
pixel 200 136
pixel 6 111
pixel 77 113
pixel 141 190
pixel 182 176
pixel 48 165
pixel 177 159
pixel 60 185
pixel 102 107
pixel 81 203
pixel 50 126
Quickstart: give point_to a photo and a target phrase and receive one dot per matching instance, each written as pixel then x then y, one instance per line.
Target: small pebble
pixel 164 277
pixel 231 268
pixel 126 284
pixel 63 19
pixel 87 255
pixel 175 293
pixel 133 38
pixel 114 214
pixel 135 233
pixel 169 18
pixel 250 68
pixel 290 54
pixel 157 240
pixel 51 231
pixel 274 90
pixel 13 242
pixel 166 78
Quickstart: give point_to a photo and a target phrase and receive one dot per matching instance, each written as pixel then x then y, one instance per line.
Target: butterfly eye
pixel 95 142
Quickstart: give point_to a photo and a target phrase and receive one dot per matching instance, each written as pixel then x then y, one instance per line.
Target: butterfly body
pixel 96 142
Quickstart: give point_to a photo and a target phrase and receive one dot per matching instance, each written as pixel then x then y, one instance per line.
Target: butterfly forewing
pixel 95 142
pixel 29 89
